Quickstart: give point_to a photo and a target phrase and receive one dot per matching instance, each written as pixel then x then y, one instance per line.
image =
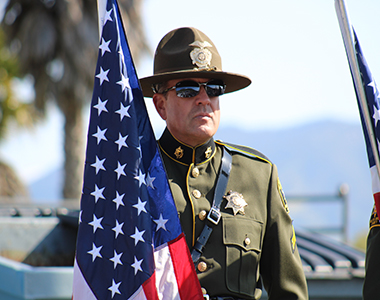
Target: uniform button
pixel 202 266
pixel 247 241
pixel 202 215
pixel 195 172
pixel 197 194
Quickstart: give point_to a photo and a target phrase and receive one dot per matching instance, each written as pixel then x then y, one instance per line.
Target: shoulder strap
pixel 214 215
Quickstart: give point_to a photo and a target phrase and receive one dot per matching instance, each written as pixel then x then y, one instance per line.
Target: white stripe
pixel 375 180
pixel 81 290
pixel 166 282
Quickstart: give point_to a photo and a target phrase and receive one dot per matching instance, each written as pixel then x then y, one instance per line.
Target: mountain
pixel 312 159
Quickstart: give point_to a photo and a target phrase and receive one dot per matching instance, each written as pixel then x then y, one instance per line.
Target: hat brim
pixel 233 81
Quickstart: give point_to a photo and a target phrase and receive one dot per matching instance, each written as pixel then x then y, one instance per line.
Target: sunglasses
pixel 191 88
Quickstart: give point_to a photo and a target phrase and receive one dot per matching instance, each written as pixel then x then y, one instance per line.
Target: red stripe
pixel 376 197
pixel 149 287
pixel 187 280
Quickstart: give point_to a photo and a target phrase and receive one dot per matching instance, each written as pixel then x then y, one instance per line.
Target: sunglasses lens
pixel 190 88
pixel 187 89
pixel 215 88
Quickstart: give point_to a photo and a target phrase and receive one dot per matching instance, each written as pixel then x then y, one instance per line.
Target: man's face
pixel 193 120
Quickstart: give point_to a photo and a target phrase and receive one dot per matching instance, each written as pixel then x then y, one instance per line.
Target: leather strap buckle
pixel 214 215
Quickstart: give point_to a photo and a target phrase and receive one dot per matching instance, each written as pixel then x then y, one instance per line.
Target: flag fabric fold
pixel 130 244
pixel 372 98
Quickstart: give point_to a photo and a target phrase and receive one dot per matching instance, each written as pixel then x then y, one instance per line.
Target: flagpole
pixel 347 35
pixel 102 4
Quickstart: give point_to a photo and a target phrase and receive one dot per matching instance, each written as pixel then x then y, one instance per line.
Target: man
pixel 229 198
pixel 372 261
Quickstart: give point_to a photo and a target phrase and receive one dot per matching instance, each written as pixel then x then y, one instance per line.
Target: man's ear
pixel 159 101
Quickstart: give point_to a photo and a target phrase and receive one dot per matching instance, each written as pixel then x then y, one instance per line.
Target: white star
pixel 373 85
pixel 80 217
pixel 376 114
pixel 96 223
pixel 138 236
pixel 118 200
pixel 107 17
pixel 121 141
pixel 95 252
pixel 140 178
pixel 98 193
pixel 120 170
pixel 100 135
pixel 103 75
pixel 98 165
pixel 118 229
pixel 114 288
pixel 123 112
pixel 116 259
pixel 140 206
pixel 161 223
pixel 104 46
pixel 149 181
pixel 124 82
pixel 101 106
pixel 137 265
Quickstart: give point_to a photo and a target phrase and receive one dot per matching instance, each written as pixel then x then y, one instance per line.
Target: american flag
pixel 373 104
pixel 130 244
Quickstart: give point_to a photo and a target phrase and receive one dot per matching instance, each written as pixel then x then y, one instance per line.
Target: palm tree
pixel 12 111
pixel 57 43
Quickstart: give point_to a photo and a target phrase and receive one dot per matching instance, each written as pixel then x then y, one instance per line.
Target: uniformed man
pixel 229 198
pixel 372 261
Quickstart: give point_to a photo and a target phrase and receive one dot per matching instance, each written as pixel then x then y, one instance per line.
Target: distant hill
pixel 313 159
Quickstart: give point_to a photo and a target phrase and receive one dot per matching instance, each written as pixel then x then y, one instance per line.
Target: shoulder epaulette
pixel 244 150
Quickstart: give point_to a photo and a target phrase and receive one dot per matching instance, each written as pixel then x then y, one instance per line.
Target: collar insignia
pixel 200 55
pixel 178 152
pixel 208 152
pixel 236 202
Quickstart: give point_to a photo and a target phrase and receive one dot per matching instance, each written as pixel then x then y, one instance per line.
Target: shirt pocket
pixel 242 238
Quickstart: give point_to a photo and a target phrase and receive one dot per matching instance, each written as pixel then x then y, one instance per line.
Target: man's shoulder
pixel 244 150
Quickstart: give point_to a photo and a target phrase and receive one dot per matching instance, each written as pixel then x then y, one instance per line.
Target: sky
pixel 292 50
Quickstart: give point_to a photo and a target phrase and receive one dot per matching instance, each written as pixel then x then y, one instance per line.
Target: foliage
pixel 12 108
pixel 56 42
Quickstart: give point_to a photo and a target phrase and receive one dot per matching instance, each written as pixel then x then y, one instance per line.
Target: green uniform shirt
pixel 255 246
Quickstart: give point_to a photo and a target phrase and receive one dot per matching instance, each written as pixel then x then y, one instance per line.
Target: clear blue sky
pixel 292 50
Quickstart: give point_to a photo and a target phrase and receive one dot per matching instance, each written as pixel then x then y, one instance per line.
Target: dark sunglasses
pixel 191 88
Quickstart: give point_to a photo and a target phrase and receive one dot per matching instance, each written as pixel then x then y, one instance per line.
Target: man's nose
pixel 202 97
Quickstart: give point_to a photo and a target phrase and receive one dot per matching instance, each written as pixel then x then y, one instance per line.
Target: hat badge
pixel 200 55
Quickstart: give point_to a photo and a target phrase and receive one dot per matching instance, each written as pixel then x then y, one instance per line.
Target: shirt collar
pixel 183 153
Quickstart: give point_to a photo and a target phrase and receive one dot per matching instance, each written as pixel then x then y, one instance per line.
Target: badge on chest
pixel 235 201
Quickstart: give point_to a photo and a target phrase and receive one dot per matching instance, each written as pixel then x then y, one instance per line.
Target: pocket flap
pixel 243 232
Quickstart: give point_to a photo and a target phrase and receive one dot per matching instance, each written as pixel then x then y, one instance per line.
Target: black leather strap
pixel 214 215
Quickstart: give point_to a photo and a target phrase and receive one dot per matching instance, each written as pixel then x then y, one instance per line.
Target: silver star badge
pixel 236 202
